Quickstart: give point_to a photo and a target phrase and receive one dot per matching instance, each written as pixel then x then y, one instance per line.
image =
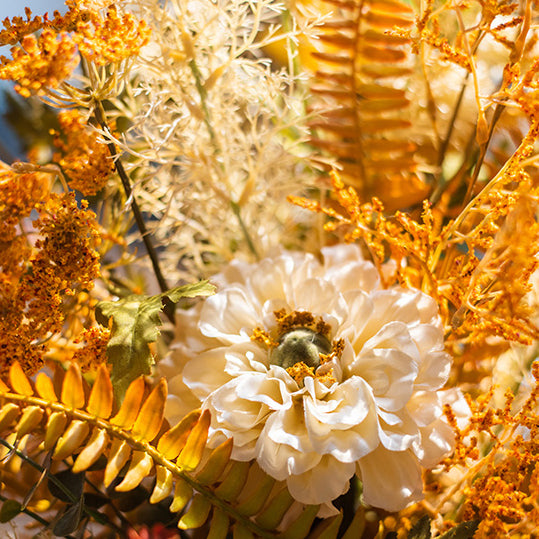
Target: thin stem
pixel 451 125
pixel 141 225
pixel 203 93
pixel 31 514
pixel 248 239
pixel 483 151
pixel 98 517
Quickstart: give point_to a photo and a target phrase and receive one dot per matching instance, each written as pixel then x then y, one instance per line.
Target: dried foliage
pixel 38 276
pixel 360 87
pixel 188 141
pixel 64 421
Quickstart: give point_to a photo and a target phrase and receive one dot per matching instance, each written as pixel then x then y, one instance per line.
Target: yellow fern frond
pixel 79 428
pixel 364 116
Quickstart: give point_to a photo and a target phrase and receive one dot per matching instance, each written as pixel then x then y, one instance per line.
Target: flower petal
pixel 327 481
pixel 389 363
pixel 391 480
pixel 229 316
pixel 347 429
pixel 281 460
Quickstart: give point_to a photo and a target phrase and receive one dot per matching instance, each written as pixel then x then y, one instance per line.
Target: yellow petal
pixel 182 494
pixel 329 528
pixel 219 525
pixel 101 396
pixel 172 442
pixel 216 463
pixel 3 387
pixel 272 515
pixel 72 389
pixel 131 405
pixel 92 451
pixel 19 381
pixel 301 526
pixel 197 513
pixel 8 413
pixel 191 454
pixel 13 467
pixel 256 500
pixel 140 467
pixel 74 436
pixel 234 481
pixel 11 438
pixel 118 456
pixel 31 417
pixel 149 419
pixel 163 485
pixel 56 425
pixel 45 388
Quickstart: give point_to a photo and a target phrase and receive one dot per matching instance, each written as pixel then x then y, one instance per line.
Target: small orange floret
pixel 42 62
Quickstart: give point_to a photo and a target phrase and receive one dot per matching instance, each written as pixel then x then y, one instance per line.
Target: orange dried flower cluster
pixel 400 237
pixel 68 237
pixel 84 159
pixel 42 62
pixel 61 261
pixel 19 195
pixel 501 487
pixel 111 39
pixel 477 268
pixel 17 28
pixel 46 61
pixel 94 351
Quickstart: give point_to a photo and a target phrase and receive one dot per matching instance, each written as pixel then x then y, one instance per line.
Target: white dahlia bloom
pixel 318 374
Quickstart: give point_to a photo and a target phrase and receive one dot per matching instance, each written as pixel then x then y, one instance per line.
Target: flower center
pixel 300 345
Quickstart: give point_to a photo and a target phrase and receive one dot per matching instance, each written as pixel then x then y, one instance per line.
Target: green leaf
pixel 465 530
pixel 10 509
pixel 421 529
pixel 72 483
pixel 135 321
pixel 70 520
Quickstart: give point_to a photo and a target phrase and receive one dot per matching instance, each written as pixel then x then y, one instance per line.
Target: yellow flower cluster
pixel 94 352
pixel 478 297
pixel 46 61
pixel 501 487
pixel 42 62
pixel 84 159
pixel 34 279
pixel 68 235
pixel 111 39
pixel 16 28
pixel 19 195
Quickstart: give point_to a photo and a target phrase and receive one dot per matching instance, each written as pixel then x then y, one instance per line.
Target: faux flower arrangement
pixel 269 270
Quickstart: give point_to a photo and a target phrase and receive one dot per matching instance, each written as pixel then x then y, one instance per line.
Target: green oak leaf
pixel 10 509
pixel 421 530
pixel 135 323
pixel 465 530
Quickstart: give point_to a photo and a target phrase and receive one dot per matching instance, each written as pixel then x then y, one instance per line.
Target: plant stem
pixel 203 94
pixel 141 225
pixel 98 517
pixel 31 514
pixel 496 116
pixel 248 239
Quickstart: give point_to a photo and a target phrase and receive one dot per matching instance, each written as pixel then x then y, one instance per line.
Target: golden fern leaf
pixel 79 428
pixel 364 116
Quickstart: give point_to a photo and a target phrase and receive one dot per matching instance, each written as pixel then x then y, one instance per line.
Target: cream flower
pixel 318 374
